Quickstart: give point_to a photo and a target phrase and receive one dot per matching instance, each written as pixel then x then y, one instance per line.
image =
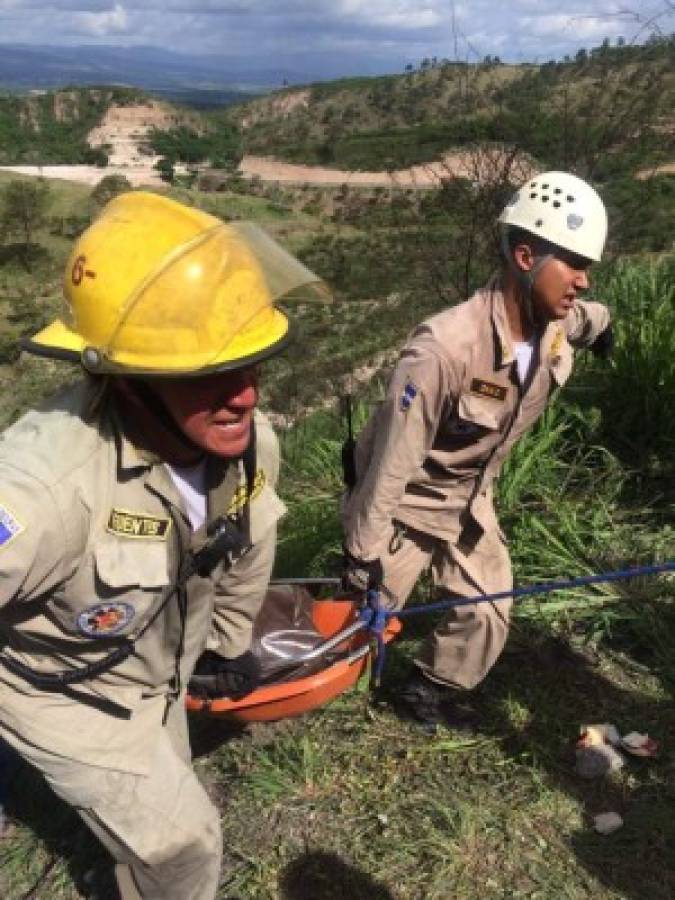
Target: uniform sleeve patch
pixel 242 496
pixel 138 525
pixel 10 526
pixel 409 393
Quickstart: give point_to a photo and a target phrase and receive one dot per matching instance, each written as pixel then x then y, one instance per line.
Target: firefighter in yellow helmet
pixel 137 526
pixel 470 381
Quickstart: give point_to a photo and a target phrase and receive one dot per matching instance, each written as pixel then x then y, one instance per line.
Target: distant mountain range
pixel 175 75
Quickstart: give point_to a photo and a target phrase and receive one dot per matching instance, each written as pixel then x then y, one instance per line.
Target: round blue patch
pixel 105 619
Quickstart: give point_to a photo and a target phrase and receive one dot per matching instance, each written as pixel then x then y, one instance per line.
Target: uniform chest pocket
pixel 116 591
pixel 471 419
pixel 125 565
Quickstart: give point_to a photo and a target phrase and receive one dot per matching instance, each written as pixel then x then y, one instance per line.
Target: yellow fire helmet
pixel 154 287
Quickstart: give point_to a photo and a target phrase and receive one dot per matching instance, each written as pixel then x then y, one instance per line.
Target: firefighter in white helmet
pixel 468 383
pixel 137 526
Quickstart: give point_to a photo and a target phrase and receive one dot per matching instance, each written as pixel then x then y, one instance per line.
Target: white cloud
pixel 581 26
pixel 403 14
pixel 100 24
pixel 351 35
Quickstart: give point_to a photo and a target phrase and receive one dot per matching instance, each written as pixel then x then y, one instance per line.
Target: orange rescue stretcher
pixel 311 649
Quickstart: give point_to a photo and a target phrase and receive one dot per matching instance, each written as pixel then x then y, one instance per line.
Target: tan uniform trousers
pixel 467 643
pixel 161 829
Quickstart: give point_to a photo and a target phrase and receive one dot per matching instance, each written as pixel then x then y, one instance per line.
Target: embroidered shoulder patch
pixel 138 525
pixel 409 393
pixel 556 343
pixel 105 619
pixel 10 526
pixel 241 495
pixel 488 389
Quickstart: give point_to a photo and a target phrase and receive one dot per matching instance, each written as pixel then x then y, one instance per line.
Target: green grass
pixel 354 801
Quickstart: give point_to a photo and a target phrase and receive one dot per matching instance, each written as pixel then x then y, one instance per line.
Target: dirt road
pixel 265 168
pixel 272 170
pixel 422 176
pixel 89 174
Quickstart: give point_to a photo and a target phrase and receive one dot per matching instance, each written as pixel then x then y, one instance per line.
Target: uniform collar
pixel 130 456
pixel 555 353
pixel 132 459
pixel 503 346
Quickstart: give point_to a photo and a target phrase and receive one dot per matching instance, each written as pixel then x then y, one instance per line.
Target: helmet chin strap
pixel 525 280
pixel 142 406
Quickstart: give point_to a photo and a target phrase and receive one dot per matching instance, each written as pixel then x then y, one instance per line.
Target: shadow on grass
pixel 63 836
pixel 561 689
pixel 325 876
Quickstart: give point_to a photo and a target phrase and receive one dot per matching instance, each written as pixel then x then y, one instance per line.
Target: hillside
pixel 560 112
pixel 53 127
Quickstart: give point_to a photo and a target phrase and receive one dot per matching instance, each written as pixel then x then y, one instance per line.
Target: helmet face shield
pixel 196 296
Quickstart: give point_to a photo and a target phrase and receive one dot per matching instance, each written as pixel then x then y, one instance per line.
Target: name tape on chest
pixel 488 389
pixel 138 525
pixel 242 496
pixel 10 526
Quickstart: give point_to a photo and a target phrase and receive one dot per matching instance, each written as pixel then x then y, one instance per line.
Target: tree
pixel 23 209
pixel 95 156
pixel 108 187
pixel 166 170
pixel 221 147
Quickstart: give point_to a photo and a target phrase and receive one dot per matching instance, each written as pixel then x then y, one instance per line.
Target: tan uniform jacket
pixel 454 408
pixel 92 534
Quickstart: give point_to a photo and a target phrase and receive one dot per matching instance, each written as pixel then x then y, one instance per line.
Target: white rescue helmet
pixel 561 209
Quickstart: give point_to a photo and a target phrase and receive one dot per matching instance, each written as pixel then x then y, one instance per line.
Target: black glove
pixel 603 345
pixel 214 676
pixel 361 575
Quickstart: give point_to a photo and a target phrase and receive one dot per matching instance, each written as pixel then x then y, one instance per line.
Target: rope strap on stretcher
pixel 375 617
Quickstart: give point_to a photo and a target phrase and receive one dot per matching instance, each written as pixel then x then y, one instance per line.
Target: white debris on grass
pixel 639 744
pixel 594 761
pixel 594 735
pixel 606 823
pixel 597 749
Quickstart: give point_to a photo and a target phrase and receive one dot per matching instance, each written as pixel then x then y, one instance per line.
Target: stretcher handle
pixel 331 642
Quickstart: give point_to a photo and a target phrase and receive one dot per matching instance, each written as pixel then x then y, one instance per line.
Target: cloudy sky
pixel 346 36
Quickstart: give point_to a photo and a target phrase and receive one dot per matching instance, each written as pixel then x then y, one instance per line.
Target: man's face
pixel 558 285
pixel 214 411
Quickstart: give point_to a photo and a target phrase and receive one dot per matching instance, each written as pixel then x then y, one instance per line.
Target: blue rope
pixel 545 588
pixel 375 616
